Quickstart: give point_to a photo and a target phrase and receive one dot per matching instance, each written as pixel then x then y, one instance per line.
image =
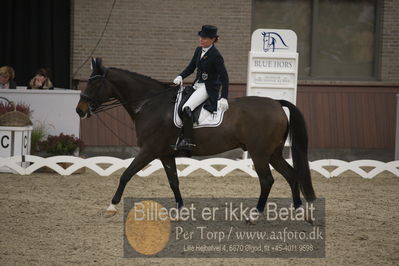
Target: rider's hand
pixel 223 104
pixel 178 80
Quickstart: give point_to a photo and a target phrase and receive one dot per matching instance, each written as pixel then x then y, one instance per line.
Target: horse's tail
pixel 299 148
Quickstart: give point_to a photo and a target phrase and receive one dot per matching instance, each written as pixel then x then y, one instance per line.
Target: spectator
pixel 7 75
pixel 41 81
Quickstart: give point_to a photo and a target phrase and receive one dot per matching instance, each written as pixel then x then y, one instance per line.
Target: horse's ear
pixel 96 65
pixel 93 63
pixel 99 63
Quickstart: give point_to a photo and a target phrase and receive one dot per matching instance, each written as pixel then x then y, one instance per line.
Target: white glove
pixel 223 104
pixel 178 80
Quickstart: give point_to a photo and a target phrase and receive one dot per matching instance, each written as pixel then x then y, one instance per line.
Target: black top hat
pixel 208 31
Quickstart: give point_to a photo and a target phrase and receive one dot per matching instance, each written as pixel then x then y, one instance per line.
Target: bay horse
pixel 258 125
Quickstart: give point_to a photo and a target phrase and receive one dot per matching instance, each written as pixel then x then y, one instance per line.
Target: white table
pixel 53 108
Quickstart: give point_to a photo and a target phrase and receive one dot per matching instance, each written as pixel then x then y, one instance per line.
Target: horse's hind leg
pixel 169 164
pixel 266 180
pixel 285 169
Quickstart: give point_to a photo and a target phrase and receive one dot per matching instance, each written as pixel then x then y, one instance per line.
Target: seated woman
pixel 211 74
pixel 41 81
pixel 7 75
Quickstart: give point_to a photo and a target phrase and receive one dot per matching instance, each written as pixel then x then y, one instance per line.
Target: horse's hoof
pixel 109 214
pixel 111 211
pixel 251 221
pixel 175 217
pixel 254 220
pixel 301 210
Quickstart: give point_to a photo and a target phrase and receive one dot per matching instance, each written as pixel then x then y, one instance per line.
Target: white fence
pixel 105 166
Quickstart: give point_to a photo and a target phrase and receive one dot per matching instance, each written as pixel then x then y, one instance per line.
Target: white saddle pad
pixel 206 118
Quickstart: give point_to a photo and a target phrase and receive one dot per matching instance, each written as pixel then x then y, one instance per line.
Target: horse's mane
pixel 135 74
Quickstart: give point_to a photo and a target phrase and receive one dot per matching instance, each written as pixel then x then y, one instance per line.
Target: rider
pixel 211 73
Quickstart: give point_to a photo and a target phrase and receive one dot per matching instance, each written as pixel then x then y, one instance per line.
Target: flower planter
pixel 14 141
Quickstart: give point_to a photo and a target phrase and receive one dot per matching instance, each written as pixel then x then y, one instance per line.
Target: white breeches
pixel 199 96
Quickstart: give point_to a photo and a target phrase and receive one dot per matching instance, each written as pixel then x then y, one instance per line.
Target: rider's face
pixel 206 42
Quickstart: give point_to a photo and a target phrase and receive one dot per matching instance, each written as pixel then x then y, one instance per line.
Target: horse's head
pixel 267 41
pixel 97 92
pixel 272 40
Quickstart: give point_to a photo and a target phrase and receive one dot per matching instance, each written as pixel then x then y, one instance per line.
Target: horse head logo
pixel 273 41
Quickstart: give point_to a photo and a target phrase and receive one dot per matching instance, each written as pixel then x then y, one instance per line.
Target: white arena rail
pixel 112 164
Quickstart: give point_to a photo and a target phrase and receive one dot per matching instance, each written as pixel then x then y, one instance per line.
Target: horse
pixel 258 125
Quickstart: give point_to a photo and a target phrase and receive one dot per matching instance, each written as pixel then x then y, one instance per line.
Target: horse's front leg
pixel 169 163
pixel 141 160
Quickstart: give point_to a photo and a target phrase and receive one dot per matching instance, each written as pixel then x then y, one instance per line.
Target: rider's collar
pixel 206 49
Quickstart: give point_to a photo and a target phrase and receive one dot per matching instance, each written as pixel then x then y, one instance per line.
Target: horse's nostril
pixel 80 112
pixel 82 109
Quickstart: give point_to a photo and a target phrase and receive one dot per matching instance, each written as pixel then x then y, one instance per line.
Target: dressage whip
pixel 98 42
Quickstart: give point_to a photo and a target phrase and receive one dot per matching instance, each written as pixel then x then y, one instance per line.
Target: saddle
pixel 201 116
pixel 186 93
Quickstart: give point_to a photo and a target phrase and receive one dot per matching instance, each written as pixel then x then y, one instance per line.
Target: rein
pixel 108 106
pixel 112 103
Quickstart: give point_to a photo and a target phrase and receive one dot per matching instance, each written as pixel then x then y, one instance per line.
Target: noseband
pixel 86 97
pixel 89 99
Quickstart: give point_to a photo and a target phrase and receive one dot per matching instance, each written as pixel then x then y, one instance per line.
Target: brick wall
pixel 157 37
pixel 390 41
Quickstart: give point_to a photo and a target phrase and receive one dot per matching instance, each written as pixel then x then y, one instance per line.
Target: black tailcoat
pixel 211 71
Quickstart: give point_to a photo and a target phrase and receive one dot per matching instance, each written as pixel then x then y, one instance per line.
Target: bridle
pixel 96 106
pixel 97 76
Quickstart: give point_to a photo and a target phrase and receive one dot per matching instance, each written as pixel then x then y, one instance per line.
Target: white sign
pixel 273 64
pixel 273 41
pixel 14 141
pixel 5 143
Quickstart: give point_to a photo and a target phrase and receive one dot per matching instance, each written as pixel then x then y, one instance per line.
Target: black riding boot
pixel 186 143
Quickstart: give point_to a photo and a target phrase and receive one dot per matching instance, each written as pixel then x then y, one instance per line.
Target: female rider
pixel 211 74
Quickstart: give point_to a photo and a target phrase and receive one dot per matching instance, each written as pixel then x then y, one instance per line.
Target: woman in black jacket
pixel 211 74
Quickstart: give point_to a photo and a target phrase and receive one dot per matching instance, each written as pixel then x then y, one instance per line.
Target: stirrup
pixel 185 145
pixel 177 146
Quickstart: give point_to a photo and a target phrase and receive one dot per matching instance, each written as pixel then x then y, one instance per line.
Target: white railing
pixel 105 166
